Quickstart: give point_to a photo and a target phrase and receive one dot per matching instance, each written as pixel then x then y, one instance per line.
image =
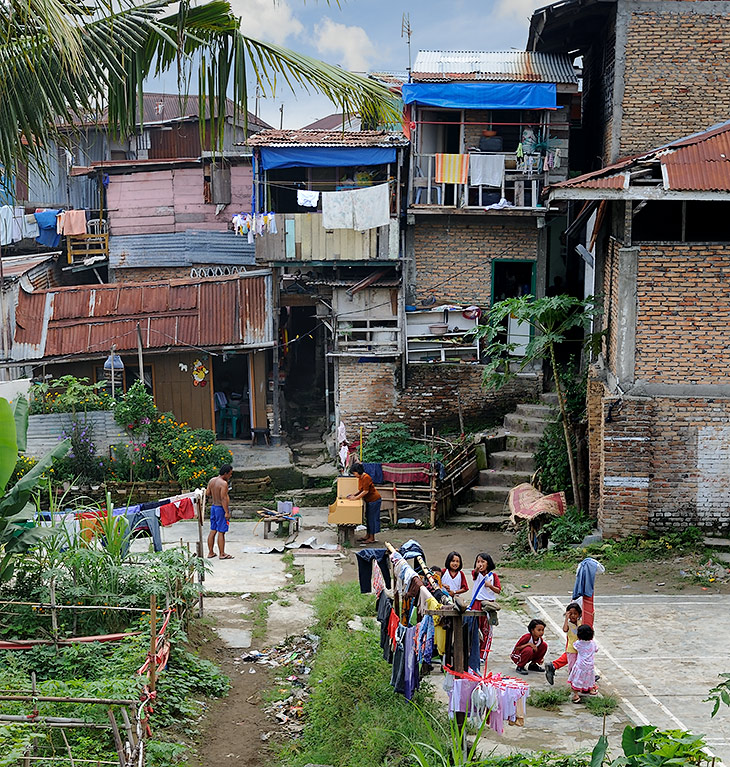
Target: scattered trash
pixel 710 572
pixel 661 584
pixel 246 595
pixel 252 671
pixel 526 586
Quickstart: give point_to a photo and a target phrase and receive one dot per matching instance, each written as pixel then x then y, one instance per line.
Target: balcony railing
pixel 520 184
pixel 301 237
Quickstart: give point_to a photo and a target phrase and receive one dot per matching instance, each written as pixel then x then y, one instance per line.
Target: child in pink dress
pixel 582 677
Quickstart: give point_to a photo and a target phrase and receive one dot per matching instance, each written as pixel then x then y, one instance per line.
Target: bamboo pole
pixel 65 699
pixel 127 727
pixel 53 722
pixel 153 643
pixel 54 613
pixel 68 748
pixel 117 737
pixel 433 485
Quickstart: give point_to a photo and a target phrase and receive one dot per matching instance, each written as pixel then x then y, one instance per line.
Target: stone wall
pixel 369 393
pixel 677 67
pixel 664 464
pixel 683 318
pixel 453 254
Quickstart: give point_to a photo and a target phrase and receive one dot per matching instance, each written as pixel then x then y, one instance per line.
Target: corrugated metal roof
pixel 335 122
pixel 327 138
pixel 190 248
pixel 14 267
pixel 509 66
pixel 696 163
pixel 86 320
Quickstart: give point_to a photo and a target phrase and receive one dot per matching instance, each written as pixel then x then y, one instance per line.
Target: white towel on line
pixel 486 169
pixel 307 199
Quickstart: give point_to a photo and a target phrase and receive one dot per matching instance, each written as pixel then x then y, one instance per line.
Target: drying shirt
pixel 482 593
pixel 365 483
pixel 176 510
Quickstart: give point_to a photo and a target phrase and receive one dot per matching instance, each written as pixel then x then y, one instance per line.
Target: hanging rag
pixel 486 169
pixel 452 169
pixel 6 225
pixel 28 226
pixel 307 199
pixel 365 570
pixel 71 222
pixel 374 471
pixel 176 510
pixel 586 576
pixel 338 210
pixel 378 579
pixel 371 207
pixel 48 234
pixel 146 520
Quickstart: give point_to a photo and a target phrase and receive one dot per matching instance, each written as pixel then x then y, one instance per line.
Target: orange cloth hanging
pixel 452 168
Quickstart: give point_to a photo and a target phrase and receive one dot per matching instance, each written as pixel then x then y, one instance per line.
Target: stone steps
pixel 550 398
pixel 522 443
pixel 515 424
pixel 502 477
pixel 545 412
pixel 486 509
pixel 491 493
pixel 508 459
pixel 480 523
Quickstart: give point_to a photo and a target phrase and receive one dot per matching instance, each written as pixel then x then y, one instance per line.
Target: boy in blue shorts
pixel 219 511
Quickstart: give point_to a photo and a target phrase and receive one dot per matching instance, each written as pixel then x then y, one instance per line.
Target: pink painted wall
pixel 160 201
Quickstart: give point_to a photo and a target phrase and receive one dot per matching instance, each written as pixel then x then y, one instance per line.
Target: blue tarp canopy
pixel 482 95
pixel 324 156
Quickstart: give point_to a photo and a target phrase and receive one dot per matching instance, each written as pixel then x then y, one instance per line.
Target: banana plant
pixel 18 532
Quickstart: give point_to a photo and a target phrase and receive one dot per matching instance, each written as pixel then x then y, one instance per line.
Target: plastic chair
pixel 229 416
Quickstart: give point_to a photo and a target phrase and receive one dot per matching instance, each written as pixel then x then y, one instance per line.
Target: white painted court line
pixel 639 686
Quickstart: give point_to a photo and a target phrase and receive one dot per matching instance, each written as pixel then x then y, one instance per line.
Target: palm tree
pixel 65 59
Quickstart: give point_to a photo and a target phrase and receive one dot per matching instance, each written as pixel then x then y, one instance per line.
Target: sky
pixel 365 35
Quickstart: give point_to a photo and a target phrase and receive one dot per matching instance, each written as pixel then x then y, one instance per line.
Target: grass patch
pixel 296 571
pixel 601 705
pixel 549 700
pixel 261 615
pixel 353 712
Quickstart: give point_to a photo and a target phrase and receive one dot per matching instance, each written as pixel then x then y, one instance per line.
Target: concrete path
pixel 661 654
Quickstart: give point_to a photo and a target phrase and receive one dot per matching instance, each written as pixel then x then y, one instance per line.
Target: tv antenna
pixel 406 31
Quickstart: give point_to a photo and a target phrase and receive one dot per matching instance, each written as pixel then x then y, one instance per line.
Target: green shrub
pixel 570 529
pixel 601 705
pixel 391 443
pixel 551 458
pixel 69 394
pixel 549 700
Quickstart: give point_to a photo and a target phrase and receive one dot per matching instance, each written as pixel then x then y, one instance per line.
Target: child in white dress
pixel 582 677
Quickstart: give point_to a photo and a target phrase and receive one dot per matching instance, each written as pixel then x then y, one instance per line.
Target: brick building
pixel 659 396
pixel 653 70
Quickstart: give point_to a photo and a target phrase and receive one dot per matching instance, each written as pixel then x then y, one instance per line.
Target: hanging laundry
pixel 371 207
pixel 72 222
pixel 452 168
pixel 307 198
pixel 176 511
pixel 48 233
pixel 6 225
pixel 338 210
pixel 29 226
pixel 486 169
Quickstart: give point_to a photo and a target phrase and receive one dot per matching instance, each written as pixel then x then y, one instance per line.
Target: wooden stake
pixel 128 727
pixel 117 737
pixel 54 612
pixel 153 643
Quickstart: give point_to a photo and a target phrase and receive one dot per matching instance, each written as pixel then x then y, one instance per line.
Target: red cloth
pixel 406 473
pixel 529 653
pixel 177 510
pixel 90 523
pixel 392 626
pixel 588 611
pixel 527 502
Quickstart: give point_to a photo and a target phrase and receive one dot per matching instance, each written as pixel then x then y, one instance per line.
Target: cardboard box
pixel 344 511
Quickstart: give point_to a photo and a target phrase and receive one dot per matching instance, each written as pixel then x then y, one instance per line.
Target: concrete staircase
pixel 516 462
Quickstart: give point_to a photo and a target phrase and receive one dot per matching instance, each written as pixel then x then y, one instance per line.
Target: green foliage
pixel 136 410
pixel 8 443
pixel 551 459
pixel 549 700
pixel 81 462
pixel 446 745
pixel 353 711
pixel 69 394
pixel 537 759
pixel 646 746
pixel 570 529
pixel 391 443
pixel 601 705
pixel 550 319
pixel 720 694
pixel 24 464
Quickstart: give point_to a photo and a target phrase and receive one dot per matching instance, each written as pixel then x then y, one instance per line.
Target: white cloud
pixel 350 45
pixel 268 20
pixel 518 9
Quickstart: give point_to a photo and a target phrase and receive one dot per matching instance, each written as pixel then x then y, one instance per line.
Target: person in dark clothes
pixel 366 490
pixel 490 141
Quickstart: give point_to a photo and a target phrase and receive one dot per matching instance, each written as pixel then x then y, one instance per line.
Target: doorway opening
pixel 512 279
pixel 232 396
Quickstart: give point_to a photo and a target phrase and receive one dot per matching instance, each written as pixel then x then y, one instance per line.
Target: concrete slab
pixel 288 616
pixel 317 571
pixel 247 458
pixel 661 654
pixel 231 620
pixel 235 638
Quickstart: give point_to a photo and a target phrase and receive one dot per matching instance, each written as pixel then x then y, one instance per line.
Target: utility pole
pixel 281 117
pixel 406 31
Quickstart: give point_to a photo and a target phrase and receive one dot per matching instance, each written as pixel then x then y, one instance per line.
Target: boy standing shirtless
pixel 219 511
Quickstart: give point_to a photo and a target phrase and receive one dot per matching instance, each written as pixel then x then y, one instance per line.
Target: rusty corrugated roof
pixel 696 163
pixel 337 138
pixel 86 320
pixel 508 66
pixel 14 267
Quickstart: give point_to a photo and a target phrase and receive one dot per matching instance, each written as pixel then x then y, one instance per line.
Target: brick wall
pixel 666 465
pixel 684 313
pixel 369 393
pixel 594 410
pixel 677 73
pixel 457 251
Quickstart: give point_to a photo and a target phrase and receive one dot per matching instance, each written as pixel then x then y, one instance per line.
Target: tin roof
pixel 696 163
pixel 335 122
pixel 14 267
pixel 509 66
pixel 334 138
pixel 85 320
pixel 190 248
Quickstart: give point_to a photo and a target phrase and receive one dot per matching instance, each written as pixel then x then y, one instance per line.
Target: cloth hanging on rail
pixel 6 225
pixel 365 558
pixel 358 209
pixel 176 511
pixel 307 198
pixel 452 169
pixel 71 222
pixel 486 169
pixel 48 234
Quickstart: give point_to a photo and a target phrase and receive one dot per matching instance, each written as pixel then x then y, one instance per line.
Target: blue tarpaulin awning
pixel 482 95
pixel 324 157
